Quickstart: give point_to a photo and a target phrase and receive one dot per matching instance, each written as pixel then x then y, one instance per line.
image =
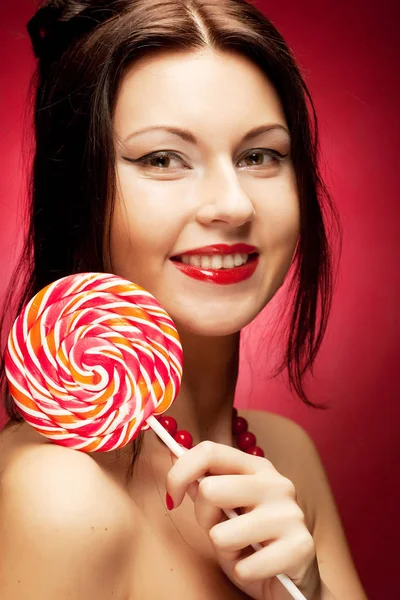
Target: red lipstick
pixel 220 276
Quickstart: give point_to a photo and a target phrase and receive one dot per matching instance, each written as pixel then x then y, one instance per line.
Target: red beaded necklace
pixel 245 440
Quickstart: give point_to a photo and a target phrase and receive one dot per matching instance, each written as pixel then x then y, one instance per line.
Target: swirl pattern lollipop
pixel 90 359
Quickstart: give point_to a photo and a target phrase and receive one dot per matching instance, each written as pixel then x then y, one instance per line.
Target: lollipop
pixel 91 359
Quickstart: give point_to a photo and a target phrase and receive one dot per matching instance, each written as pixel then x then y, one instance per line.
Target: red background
pixel 349 54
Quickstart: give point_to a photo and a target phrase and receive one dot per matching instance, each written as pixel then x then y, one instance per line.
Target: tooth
pixel 216 262
pixel 205 262
pixel 228 262
pixel 194 261
pixel 237 259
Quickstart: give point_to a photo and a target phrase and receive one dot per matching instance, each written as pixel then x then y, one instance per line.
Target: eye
pixel 161 161
pixel 262 157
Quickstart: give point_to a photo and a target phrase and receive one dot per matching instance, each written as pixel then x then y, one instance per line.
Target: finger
pixel 208 457
pixel 281 556
pixel 235 491
pixel 192 490
pixel 206 511
pixel 207 515
pixel 258 526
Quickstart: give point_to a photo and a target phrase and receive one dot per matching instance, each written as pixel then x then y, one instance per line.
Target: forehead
pixel 205 90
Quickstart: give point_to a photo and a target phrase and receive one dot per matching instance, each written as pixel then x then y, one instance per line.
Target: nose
pixel 224 202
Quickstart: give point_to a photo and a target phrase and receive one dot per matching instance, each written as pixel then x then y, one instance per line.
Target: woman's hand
pixel 269 515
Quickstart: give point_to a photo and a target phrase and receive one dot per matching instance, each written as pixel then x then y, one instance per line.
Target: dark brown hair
pixel 83 49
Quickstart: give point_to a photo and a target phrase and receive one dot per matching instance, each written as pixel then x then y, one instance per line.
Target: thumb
pixel 192 488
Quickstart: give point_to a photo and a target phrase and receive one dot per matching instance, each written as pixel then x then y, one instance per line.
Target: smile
pixel 214 264
pixel 216 261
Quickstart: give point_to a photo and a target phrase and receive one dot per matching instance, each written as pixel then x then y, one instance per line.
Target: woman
pixel 174 148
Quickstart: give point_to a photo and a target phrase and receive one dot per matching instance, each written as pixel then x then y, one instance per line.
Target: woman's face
pixel 205 177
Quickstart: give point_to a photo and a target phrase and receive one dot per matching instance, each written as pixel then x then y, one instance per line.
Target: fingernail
pixel 169 502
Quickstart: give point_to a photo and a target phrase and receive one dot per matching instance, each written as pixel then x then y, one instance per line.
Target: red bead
pixel 184 438
pixel 239 425
pixel 169 424
pixel 234 413
pixel 246 440
pixel 255 451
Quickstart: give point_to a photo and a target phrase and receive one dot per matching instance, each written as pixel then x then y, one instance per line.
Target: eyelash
pixel 277 156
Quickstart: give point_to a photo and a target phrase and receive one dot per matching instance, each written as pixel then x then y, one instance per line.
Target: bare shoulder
pixel 293 453
pixel 64 526
pixel 281 438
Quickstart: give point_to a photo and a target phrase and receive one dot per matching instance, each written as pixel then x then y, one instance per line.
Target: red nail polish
pixel 169 502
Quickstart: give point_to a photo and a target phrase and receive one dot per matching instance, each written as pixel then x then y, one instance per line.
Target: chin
pixel 212 325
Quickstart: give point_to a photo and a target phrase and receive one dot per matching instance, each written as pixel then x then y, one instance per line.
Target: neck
pixel 204 403
pixel 205 400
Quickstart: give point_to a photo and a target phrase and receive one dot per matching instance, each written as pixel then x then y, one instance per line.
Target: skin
pixel 220 189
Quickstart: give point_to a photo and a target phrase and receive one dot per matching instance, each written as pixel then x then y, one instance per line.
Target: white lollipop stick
pixel 178 451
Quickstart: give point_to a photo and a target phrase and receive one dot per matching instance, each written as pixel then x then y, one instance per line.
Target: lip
pixel 219 276
pixel 220 249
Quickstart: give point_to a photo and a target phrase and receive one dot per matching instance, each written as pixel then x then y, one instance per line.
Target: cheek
pixel 278 209
pixel 279 215
pixel 146 221
pixel 284 226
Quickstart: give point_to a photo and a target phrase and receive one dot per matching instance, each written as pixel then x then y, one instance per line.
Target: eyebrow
pixel 187 136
